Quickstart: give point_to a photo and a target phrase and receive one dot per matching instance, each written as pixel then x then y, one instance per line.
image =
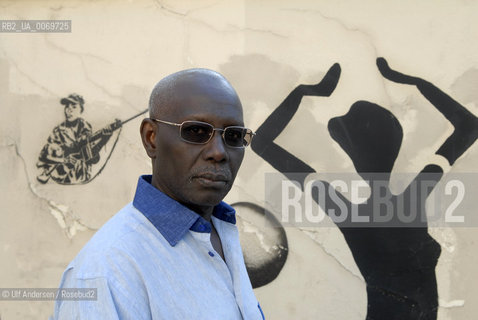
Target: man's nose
pixel 216 149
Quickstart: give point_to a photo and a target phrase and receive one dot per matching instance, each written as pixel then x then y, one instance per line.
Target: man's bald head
pixel 191 82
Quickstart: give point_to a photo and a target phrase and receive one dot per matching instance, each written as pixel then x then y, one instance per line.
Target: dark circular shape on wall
pixel 263 241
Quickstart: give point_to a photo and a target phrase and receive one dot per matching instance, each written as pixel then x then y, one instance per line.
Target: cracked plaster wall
pixel 118 50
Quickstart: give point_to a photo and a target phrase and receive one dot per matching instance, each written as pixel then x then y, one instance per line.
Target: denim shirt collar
pixel 172 219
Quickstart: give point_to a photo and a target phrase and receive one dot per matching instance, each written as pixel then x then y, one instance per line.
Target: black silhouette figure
pixel 396 260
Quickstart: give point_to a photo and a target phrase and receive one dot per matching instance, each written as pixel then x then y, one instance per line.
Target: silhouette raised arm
pixel 464 122
pixel 263 144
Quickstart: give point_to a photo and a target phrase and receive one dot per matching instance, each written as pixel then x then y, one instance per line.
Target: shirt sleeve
pixel 103 307
pixel 111 302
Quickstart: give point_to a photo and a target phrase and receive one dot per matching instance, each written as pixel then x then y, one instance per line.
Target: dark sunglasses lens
pixel 196 132
pixel 237 136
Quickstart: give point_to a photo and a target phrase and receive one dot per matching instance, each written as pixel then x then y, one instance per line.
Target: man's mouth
pixel 212 180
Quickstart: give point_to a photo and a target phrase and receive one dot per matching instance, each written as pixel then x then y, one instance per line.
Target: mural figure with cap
pixel 72 148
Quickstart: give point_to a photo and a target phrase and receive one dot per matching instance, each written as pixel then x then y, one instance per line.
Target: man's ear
pixel 148 137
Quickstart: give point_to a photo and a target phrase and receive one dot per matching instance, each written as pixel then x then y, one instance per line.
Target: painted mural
pixel 396 259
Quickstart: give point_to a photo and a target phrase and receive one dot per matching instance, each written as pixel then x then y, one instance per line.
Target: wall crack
pixel 66 219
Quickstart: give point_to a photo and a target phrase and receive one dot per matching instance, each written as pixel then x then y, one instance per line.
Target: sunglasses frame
pixel 180 125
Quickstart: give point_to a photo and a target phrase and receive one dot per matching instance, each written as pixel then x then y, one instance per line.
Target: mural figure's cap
pixel 72 98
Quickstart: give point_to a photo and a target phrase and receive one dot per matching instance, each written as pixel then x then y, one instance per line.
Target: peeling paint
pixel 248 227
pixel 58 211
pixel 451 304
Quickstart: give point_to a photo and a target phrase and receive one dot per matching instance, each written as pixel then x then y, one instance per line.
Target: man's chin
pixel 210 196
pixel 208 201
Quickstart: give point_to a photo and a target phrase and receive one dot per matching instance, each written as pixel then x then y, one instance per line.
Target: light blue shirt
pixel 154 260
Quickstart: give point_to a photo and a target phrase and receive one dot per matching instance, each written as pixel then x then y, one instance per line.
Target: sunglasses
pixel 199 132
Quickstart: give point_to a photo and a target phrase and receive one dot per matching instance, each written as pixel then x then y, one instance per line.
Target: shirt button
pixel 211 254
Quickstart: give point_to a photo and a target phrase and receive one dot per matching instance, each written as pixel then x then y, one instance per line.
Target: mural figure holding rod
pixel 72 148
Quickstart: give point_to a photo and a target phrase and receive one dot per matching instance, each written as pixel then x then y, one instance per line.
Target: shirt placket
pixel 204 240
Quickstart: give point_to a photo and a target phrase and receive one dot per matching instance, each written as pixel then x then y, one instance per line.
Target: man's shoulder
pixel 114 244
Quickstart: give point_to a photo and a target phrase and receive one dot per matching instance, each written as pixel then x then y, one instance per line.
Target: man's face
pixel 72 111
pixel 198 175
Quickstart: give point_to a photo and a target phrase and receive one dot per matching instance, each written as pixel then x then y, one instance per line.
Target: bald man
pixel 174 252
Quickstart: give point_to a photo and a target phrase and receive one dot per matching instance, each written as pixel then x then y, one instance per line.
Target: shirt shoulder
pixel 114 246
